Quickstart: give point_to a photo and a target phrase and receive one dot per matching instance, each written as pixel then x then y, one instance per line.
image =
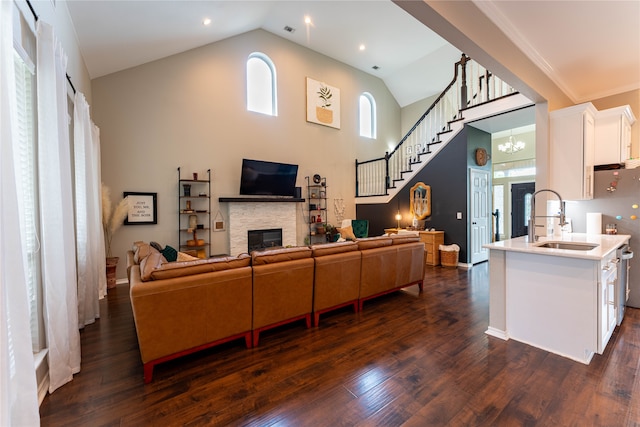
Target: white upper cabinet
pixel 613 135
pixel 571 147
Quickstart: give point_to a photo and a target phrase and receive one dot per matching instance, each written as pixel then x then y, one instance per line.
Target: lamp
pixel 398 218
pixel 511 146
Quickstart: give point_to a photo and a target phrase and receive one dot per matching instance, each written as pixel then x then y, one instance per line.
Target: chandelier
pixel 511 146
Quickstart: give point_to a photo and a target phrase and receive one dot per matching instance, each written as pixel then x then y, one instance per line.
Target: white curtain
pixel 18 390
pixel 92 281
pixel 56 211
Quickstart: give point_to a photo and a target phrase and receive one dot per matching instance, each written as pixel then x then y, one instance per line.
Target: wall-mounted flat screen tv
pixel 260 178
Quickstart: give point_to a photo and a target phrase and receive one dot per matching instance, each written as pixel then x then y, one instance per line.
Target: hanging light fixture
pixel 511 146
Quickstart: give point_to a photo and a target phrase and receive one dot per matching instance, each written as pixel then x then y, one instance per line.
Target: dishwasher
pixel 624 254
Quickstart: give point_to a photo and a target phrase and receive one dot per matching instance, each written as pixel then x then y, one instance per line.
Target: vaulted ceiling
pixel 590 49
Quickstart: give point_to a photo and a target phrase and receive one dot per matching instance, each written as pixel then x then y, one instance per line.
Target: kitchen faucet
pixel 532 215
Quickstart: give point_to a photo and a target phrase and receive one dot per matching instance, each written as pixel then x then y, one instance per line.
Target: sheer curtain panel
pixel 18 391
pixel 92 281
pixel 56 211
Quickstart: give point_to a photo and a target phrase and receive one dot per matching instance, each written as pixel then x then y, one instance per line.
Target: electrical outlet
pixel 458 215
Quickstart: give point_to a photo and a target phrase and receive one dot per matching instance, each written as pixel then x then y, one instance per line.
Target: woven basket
pixel 449 258
pixel 631 163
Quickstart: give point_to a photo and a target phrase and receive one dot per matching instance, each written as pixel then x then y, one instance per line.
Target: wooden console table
pixel 432 241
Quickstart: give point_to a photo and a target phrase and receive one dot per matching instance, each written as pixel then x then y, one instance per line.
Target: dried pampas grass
pixel 106 205
pixel 112 219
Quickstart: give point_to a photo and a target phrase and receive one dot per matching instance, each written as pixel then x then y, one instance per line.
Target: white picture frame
pixel 323 104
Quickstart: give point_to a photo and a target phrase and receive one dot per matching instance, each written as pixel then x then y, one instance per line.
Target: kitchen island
pixel 559 300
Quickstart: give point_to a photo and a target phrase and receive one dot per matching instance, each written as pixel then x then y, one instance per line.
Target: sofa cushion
pixel 150 263
pixel 347 233
pixel 171 270
pixel 399 239
pixel 141 251
pixel 157 246
pixel 374 242
pixel 170 253
pixel 270 256
pixel 333 248
pixel 182 256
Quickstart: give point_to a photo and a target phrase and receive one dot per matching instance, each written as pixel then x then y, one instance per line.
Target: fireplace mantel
pixel 259 199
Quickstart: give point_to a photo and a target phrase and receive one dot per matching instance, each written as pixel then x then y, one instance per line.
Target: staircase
pixel 472 86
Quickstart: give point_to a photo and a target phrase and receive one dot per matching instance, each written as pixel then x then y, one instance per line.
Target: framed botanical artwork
pixel 323 104
pixel 143 208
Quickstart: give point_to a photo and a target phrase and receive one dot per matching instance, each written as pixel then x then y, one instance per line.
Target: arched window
pixel 367 115
pixel 261 85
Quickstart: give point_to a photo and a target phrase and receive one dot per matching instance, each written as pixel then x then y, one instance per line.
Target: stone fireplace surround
pixel 246 213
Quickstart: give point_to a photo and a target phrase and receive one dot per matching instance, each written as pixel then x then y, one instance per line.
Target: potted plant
pixel 112 219
pixel 324 114
pixel 332 232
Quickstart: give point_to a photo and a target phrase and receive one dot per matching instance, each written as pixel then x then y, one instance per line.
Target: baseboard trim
pixel 41 366
pixel 498 333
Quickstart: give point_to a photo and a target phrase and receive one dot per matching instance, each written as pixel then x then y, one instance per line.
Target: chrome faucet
pixel 532 216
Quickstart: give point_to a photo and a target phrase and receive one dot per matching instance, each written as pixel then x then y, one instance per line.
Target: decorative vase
pixel 187 189
pixel 112 264
pixel 324 115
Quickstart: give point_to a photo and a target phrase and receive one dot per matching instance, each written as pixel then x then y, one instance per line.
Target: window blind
pixel 26 168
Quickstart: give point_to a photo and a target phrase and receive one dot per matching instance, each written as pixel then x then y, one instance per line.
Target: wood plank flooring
pixel 408 359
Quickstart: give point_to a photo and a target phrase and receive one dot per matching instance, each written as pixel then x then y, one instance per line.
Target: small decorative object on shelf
pixel 194 232
pixel 317 193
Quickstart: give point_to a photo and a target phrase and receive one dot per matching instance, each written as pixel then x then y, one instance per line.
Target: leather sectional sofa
pixel 183 307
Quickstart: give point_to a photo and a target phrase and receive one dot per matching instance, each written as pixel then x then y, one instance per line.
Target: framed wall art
pixel 323 104
pixel 143 208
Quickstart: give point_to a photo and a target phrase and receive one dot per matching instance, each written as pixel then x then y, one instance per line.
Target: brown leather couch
pixel 389 263
pixel 282 288
pixel 189 306
pixel 336 280
pixel 183 307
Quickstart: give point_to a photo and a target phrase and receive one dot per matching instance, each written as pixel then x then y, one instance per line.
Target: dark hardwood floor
pixel 407 359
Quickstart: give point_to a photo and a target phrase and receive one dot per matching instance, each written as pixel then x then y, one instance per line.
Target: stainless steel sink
pixel 572 246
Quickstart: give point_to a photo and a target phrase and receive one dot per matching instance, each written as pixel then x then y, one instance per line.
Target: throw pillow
pixel 347 233
pixel 169 253
pixel 186 257
pixel 156 246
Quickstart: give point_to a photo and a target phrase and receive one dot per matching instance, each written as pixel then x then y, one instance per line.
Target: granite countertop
pixel 606 244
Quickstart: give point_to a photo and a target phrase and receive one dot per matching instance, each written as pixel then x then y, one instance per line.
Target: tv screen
pixel 260 178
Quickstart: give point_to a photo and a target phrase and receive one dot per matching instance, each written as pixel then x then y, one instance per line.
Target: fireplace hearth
pixel 263 239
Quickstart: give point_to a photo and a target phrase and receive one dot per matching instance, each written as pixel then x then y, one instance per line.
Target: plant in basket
pixel 112 219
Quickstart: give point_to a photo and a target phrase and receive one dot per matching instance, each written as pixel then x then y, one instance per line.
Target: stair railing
pixel 471 85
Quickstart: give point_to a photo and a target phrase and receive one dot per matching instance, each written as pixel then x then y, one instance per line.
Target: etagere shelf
pixel 317 204
pixel 194 214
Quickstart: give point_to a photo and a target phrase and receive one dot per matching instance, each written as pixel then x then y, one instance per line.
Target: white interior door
pixel 480 215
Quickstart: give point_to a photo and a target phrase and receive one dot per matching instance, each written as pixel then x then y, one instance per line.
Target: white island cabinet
pixel 559 300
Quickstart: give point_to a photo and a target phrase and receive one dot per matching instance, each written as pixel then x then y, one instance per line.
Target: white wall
pixel 189 110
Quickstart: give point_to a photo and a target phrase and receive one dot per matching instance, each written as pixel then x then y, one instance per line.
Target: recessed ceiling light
pixel 206 21
pixel 362 47
pixel 307 20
